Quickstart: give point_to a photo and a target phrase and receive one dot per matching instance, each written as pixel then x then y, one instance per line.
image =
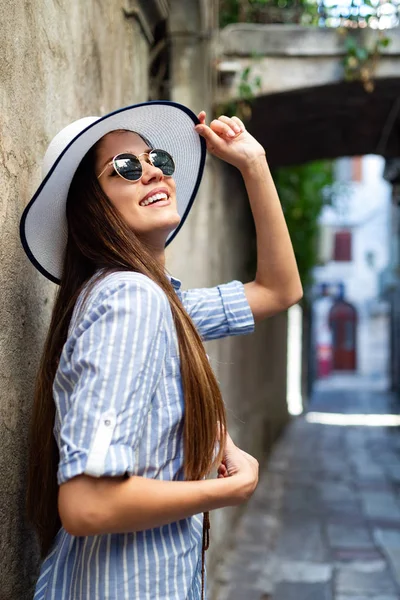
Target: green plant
pixel 247 88
pixel 269 11
pixel 381 14
pixel 360 62
pixel 303 191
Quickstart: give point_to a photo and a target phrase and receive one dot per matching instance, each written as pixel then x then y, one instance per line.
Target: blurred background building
pixel 352 319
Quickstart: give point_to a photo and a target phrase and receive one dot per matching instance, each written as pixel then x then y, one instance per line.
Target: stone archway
pixel 303 109
pixel 329 121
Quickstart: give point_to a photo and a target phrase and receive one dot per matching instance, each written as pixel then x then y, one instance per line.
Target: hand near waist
pixel 240 465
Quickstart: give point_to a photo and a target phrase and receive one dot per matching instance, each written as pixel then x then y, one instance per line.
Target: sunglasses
pixel 129 167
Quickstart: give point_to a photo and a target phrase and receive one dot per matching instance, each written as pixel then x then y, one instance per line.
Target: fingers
pixel 228 127
pixel 231 123
pixel 209 135
pixel 202 117
pixel 222 128
pixel 222 471
pixel 229 442
pixel 239 123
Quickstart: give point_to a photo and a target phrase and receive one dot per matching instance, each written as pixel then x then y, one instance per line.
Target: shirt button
pixel 107 422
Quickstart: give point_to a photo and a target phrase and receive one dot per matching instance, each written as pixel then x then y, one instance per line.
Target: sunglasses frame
pixel 112 162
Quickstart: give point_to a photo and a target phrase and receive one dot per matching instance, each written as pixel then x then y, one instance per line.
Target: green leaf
pixel 350 44
pixel 362 53
pixel 384 42
pixel 245 73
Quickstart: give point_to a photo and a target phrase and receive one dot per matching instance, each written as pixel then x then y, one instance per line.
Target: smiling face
pixel 151 222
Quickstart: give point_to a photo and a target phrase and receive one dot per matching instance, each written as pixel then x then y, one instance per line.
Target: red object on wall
pixel 324 360
pixel 343 323
pixel 342 249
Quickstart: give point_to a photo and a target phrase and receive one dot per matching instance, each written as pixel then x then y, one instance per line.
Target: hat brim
pixel 167 125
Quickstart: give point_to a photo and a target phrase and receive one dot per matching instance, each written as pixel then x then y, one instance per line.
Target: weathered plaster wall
pixel 60 60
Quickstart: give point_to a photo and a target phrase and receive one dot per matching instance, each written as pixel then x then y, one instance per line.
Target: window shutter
pixel 342 250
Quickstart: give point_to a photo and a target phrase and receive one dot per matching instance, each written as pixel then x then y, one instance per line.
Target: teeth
pixel 151 199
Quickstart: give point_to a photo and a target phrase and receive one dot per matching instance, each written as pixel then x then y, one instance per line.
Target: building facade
pixel 355 251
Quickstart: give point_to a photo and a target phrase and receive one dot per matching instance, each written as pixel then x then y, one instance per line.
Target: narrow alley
pixel 324 523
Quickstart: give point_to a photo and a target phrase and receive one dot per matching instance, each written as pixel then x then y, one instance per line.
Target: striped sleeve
pixel 219 311
pixel 103 389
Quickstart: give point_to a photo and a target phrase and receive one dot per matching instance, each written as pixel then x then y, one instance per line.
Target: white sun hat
pixel 166 125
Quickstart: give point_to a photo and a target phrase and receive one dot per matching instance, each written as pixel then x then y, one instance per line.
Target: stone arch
pixel 329 121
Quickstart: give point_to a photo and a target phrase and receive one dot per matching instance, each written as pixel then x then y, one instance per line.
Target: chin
pixel 163 228
pixel 171 222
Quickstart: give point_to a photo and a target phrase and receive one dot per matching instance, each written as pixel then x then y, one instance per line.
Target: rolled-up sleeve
pixel 219 311
pixel 107 378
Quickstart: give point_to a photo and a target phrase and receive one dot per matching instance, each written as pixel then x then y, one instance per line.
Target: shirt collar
pixel 176 283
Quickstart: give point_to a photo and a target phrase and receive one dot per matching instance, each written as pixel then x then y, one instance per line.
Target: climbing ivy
pixel 380 14
pixel 360 61
pixel 247 89
pixel 304 190
pixel 268 11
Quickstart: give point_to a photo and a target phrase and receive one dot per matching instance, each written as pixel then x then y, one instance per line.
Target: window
pixel 342 247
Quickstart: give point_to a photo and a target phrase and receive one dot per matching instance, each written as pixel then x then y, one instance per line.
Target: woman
pixel 128 418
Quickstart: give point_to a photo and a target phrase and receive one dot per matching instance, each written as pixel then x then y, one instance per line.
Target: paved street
pixel 324 523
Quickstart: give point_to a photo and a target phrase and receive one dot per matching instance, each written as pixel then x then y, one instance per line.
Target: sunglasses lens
pixel 164 161
pixel 128 166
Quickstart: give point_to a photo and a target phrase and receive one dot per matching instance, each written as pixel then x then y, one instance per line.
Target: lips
pixel 155 196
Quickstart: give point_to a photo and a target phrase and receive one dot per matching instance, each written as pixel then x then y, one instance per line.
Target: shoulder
pixel 123 282
pixel 122 291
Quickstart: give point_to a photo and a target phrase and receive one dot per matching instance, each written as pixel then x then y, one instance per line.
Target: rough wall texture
pixel 60 60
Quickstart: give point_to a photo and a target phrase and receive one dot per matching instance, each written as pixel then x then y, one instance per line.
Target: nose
pixel 150 172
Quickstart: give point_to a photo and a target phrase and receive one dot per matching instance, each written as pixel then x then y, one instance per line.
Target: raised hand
pixel 228 139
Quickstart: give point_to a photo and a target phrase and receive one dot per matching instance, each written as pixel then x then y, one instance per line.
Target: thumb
pixel 208 134
pixel 229 444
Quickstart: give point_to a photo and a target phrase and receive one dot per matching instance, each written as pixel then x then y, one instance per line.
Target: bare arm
pixel 277 283
pixel 90 506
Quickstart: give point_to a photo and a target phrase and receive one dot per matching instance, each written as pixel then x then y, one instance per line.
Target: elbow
pixel 283 301
pixel 80 523
pixel 294 297
pixel 79 511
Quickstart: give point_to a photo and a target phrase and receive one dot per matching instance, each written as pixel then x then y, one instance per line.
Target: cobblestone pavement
pixel 324 523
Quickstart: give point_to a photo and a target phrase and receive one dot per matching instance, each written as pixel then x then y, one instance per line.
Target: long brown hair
pixel 98 238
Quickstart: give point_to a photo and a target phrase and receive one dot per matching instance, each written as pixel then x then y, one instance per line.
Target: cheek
pixel 123 197
pixel 172 186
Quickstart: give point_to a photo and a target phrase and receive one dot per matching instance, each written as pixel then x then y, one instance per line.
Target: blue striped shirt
pixel 119 410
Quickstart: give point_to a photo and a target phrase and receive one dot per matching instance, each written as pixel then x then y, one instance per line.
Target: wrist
pixel 253 164
pixel 232 490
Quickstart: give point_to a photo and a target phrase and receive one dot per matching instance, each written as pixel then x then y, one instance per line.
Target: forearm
pixel 107 505
pixel 277 270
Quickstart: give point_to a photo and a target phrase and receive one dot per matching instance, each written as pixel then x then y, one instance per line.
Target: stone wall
pixel 60 61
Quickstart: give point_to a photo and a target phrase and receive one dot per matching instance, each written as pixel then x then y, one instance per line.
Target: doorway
pixel 343 323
